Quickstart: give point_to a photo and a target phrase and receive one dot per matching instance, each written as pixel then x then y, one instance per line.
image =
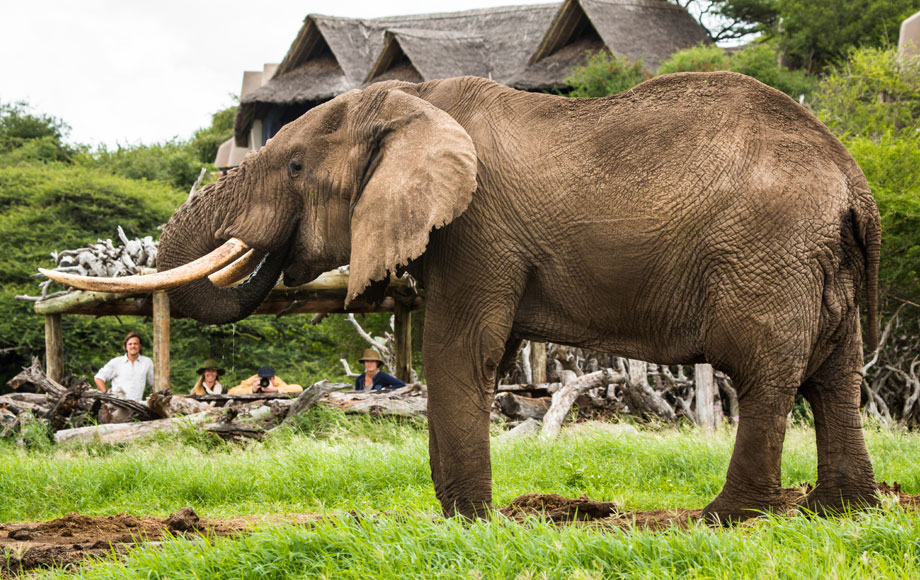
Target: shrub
pixel 700 58
pixel 172 162
pixel 892 166
pixel 605 74
pixel 870 94
pixel 760 61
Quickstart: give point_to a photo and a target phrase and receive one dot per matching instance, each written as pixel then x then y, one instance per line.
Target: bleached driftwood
pixel 564 397
pixel 125 432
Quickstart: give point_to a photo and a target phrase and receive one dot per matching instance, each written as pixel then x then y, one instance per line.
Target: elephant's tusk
pixel 238 270
pixel 195 270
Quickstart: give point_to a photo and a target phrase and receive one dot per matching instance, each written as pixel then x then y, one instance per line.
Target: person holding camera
pixel 264 381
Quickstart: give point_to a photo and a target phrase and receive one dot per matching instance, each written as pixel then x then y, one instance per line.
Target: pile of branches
pixel 891 389
pixel 104 258
pixel 644 390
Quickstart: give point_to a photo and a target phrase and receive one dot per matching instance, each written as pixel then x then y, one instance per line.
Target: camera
pixel 264 382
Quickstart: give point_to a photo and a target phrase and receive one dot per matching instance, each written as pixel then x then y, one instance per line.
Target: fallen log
pixel 125 432
pixel 165 404
pixel 137 409
pixel 310 396
pixel 517 407
pixel 529 387
pixel 641 400
pixel 63 408
pixel 408 401
pixel 564 397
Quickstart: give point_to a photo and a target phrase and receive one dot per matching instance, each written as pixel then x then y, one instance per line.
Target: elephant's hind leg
pixel 765 351
pixel 845 475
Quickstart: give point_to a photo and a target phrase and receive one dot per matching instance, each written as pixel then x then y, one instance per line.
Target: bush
pixel 756 60
pixel 760 61
pixel 871 94
pixel 208 140
pixel 605 74
pixel 173 162
pixel 700 58
pixel 36 137
pixel 892 166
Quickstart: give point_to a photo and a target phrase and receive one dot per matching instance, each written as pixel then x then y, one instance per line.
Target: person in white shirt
pixel 128 373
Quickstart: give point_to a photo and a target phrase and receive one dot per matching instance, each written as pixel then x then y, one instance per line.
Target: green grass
pixel 333 465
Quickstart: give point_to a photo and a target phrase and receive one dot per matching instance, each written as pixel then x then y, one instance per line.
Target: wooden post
pixel 160 341
pixel 705 394
pixel 538 356
pixel 402 327
pixel 54 347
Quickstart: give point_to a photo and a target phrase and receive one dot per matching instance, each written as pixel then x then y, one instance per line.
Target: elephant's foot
pixel 727 509
pixel 826 500
pixel 469 509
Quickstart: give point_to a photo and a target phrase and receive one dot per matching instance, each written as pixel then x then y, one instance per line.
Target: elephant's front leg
pixel 462 351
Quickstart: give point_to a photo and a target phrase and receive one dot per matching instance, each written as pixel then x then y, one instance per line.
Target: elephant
pixel 697 217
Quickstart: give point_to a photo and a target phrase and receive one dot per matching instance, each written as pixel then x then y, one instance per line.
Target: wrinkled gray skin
pixel 696 217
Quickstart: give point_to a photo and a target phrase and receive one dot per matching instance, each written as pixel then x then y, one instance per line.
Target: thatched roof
pixel 646 30
pixel 528 47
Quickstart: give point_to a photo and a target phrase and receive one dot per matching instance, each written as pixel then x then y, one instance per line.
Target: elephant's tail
pixel 868 230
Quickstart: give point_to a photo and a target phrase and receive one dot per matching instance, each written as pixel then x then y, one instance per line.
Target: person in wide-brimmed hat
pixel 209 379
pixel 373 378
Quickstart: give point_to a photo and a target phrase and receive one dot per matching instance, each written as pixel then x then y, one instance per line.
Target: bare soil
pixel 75 538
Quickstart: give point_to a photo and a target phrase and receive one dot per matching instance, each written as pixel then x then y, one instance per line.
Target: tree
pixel 44 134
pixel 207 140
pixel 728 20
pixel 814 34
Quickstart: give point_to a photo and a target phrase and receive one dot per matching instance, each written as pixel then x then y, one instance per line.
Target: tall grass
pixel 333 465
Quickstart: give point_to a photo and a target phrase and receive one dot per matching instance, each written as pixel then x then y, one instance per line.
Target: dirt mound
pixel 560 509
pixel 75 538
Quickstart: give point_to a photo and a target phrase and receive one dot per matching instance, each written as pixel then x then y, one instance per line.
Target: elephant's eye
pixel 295 167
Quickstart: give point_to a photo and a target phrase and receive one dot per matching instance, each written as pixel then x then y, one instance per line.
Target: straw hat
pixel 371 355
pixel 210 364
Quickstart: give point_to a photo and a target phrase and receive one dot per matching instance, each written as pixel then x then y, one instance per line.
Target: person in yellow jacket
pixel 264 381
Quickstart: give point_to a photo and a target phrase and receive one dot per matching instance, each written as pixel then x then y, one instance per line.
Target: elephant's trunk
pixel 188 236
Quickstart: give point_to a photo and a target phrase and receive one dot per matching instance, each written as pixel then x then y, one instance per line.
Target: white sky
pixel 127 72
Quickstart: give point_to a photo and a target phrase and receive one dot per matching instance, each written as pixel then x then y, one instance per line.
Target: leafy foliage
pixel 700 58
pixel 818 33
pixel 871 94
pixel 41 135
pixel 207 140
pixel 172 162
pixel 605 74
pixel 757 60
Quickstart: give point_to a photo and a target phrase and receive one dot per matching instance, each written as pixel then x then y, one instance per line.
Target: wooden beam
pixel 54 347
pixel 160 341
pixel 402 328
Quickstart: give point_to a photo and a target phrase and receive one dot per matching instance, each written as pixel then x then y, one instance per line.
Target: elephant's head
pixel 359 180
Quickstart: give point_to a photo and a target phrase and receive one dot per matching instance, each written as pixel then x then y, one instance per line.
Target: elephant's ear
pixel 421 175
